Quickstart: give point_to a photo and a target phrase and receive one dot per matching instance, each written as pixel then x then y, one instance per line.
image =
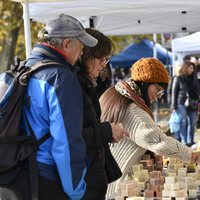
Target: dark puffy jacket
pixel 96 135
pixel 179 90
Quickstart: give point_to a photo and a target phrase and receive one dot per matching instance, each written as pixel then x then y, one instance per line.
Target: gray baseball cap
pixel 63 26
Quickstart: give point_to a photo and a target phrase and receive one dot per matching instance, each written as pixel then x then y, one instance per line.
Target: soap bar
pixel 166 193
pixel 119 198
pixel 175 186
pixel 172 161
pixel 128 186
pixel 193 193
pixel 191 186
pixel 137 173
pixel 146 157
pixel 137 167
pixel 155 174
pixel 144 172
pixel 182 193
pixel 167 186
pixel 169 179
pixel 149 194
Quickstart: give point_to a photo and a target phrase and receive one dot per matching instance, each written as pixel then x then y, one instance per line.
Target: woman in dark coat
pixel 96 135
pixel 185 82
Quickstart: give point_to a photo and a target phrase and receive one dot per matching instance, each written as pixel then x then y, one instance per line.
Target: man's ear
pixel 65 45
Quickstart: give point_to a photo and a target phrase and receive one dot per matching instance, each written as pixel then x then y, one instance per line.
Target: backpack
pixel 15 145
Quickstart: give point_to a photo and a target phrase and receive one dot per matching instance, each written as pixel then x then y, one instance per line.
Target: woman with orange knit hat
pixel 128 103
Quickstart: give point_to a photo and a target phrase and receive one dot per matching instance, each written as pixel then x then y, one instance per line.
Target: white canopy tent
pixel 117 17
pixel 188 45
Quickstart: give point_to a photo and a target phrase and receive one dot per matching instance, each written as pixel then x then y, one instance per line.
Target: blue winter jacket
pixel 56 107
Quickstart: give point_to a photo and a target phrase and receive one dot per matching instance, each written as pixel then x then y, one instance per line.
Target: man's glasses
pixel 160 91
pixel 104 70
pixel 103 61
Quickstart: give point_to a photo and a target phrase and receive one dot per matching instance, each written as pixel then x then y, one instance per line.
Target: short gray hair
pixel 56 42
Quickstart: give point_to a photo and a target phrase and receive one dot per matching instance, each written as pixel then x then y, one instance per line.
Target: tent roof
pixel 136 51
pixel 128 17
pixel 189 43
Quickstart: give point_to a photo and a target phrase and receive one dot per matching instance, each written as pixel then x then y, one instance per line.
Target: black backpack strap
pixel 32 160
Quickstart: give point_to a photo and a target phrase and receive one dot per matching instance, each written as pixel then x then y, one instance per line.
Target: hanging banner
pixel 166 40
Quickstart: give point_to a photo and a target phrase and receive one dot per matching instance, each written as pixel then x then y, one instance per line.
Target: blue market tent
pixel 136 51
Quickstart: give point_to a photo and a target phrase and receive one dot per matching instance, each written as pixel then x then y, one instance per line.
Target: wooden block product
pixel 182 193
pixel 119 198
pixel 166 193
pixel 169 179
pixel 175 186
pixel 191 186
pixel 159 194
pixel 120 185
pixel 128 186
pixel 149 194
pixel 172 161
pixel 136 167
pixel 146 157
pixel 144 172
pixel 155 174
pixel 137 173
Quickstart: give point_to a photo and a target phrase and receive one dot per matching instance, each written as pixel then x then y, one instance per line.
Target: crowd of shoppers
pixel 65 103
pixel 185 83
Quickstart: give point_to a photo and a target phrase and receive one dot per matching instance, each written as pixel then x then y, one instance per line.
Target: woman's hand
pixel 118 132
pixel 196 157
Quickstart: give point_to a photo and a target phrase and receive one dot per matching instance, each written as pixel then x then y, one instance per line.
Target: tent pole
pixel 27 30
pixel 155 56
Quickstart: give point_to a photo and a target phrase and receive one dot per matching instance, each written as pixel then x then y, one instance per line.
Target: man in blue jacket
pixel 55 107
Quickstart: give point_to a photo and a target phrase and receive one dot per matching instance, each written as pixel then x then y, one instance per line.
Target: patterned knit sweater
pixel 144 134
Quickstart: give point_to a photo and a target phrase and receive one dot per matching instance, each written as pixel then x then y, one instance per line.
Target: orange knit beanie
pixel 149 70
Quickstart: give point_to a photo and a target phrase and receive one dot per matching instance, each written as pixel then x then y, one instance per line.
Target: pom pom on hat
pixel 149 70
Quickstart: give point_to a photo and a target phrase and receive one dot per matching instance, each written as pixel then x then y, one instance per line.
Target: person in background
pixel 117 74
pixel 56 107
pixel 186 81
pixel 197 67
pixel 96 134
pixel 128 103
pixel 104 80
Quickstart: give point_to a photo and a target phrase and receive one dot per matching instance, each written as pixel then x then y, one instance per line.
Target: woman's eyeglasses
pixel 104 70
pixel 159 91
pixel 103 61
